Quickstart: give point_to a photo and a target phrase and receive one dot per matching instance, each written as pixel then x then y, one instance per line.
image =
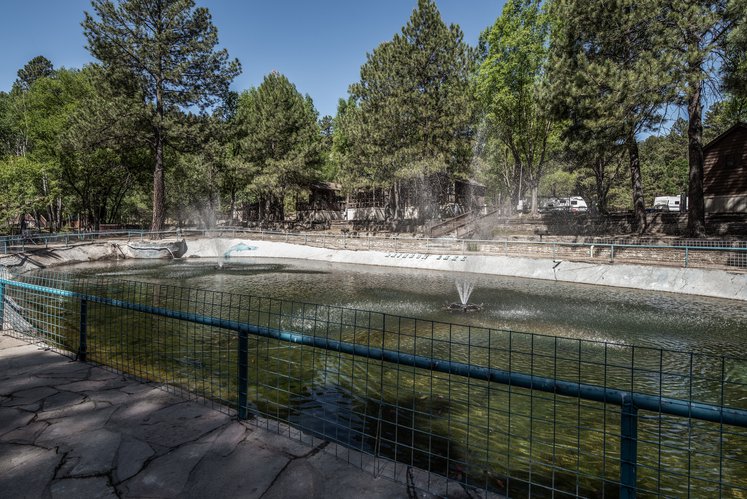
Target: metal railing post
pixel 628 447
pixel 83 347
pixel 243 373
pixel 687 256
pixel 2 306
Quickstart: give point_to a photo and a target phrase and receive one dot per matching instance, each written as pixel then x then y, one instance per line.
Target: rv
pixel 573 203
pixel 667 203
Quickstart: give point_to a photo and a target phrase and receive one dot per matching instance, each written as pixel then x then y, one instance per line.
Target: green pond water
pixel 502 438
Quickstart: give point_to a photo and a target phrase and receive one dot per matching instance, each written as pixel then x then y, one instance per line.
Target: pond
pixel 616 315
pixel 502 438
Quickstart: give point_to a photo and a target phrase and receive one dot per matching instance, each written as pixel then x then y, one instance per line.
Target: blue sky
pixel 319 45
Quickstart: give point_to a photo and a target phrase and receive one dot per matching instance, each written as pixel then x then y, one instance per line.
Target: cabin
pixel 725 172
pixel 325 203
pixel 440 198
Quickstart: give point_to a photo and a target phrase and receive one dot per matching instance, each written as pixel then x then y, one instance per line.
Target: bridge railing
pixel 493 411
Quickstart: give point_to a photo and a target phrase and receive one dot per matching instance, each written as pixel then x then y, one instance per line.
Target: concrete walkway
pixel 70 430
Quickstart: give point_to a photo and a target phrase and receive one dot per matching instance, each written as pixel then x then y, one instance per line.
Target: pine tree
pixel 610 77
pixel 38 67
pixel 410 117
pixel 697 32
pixel 169 48
pixel 279 143
pixel 735 60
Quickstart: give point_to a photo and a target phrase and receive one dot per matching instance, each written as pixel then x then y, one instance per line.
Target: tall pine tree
pixel 410 117
pixel 610 77
pixel 278 151
pixel 169 47
pixel 697 32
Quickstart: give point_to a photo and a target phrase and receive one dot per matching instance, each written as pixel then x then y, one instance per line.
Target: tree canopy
pixel 510 84
pixel 410 117
pixel 169 48
pixel 278 144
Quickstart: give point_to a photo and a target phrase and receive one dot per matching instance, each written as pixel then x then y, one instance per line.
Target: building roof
pixel 735 126
pixel 326 185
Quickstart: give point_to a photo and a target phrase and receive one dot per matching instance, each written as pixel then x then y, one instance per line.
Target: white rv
pixel 667 203
pixel 573 203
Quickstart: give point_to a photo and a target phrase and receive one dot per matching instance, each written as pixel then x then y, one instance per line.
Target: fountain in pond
pixel 464 288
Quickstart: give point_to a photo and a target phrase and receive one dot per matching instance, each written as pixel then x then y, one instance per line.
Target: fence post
pixel 2 306
pixel 687 256
pixel 628 448
pixel 612 252
pixel 243 373
pixel 83 347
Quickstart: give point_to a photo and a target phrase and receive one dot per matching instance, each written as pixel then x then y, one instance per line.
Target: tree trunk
pixel 159 190
pixel 535 198
pixel 695 202
pixel 602 191
pixel 397 207
pixel 639 205
pixel 159 187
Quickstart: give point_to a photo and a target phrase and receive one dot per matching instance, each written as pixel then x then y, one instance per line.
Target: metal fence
pixel 489 411
pixel 693 253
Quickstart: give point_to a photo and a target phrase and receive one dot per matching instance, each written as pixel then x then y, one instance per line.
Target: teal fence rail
pixel 491 411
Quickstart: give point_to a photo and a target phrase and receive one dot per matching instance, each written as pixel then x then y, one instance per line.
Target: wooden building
pixel 325 203
pixel 725 172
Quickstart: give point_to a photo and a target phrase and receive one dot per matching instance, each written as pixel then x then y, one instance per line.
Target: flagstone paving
pixel 70 429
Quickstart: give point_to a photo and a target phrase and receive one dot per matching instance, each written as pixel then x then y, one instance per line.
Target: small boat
pixel 157 249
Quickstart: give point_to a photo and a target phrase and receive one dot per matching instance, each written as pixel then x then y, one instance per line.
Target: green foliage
pixel 610 79
pixel 21 182
pixel 104 149
pixel 169 49
pixel 6 125
pixel 510 86
pixel 664 161
pixel 411 114
pixel 36 68
pixel 735 53
pixel 722 115
pixel 278 146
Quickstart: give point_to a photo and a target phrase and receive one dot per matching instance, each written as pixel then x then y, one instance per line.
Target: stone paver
pixel 68 429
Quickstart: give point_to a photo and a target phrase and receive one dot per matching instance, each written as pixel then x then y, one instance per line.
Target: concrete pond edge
pixel 713 283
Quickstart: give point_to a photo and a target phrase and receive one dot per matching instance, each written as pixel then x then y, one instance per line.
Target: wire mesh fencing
pixel 496 412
